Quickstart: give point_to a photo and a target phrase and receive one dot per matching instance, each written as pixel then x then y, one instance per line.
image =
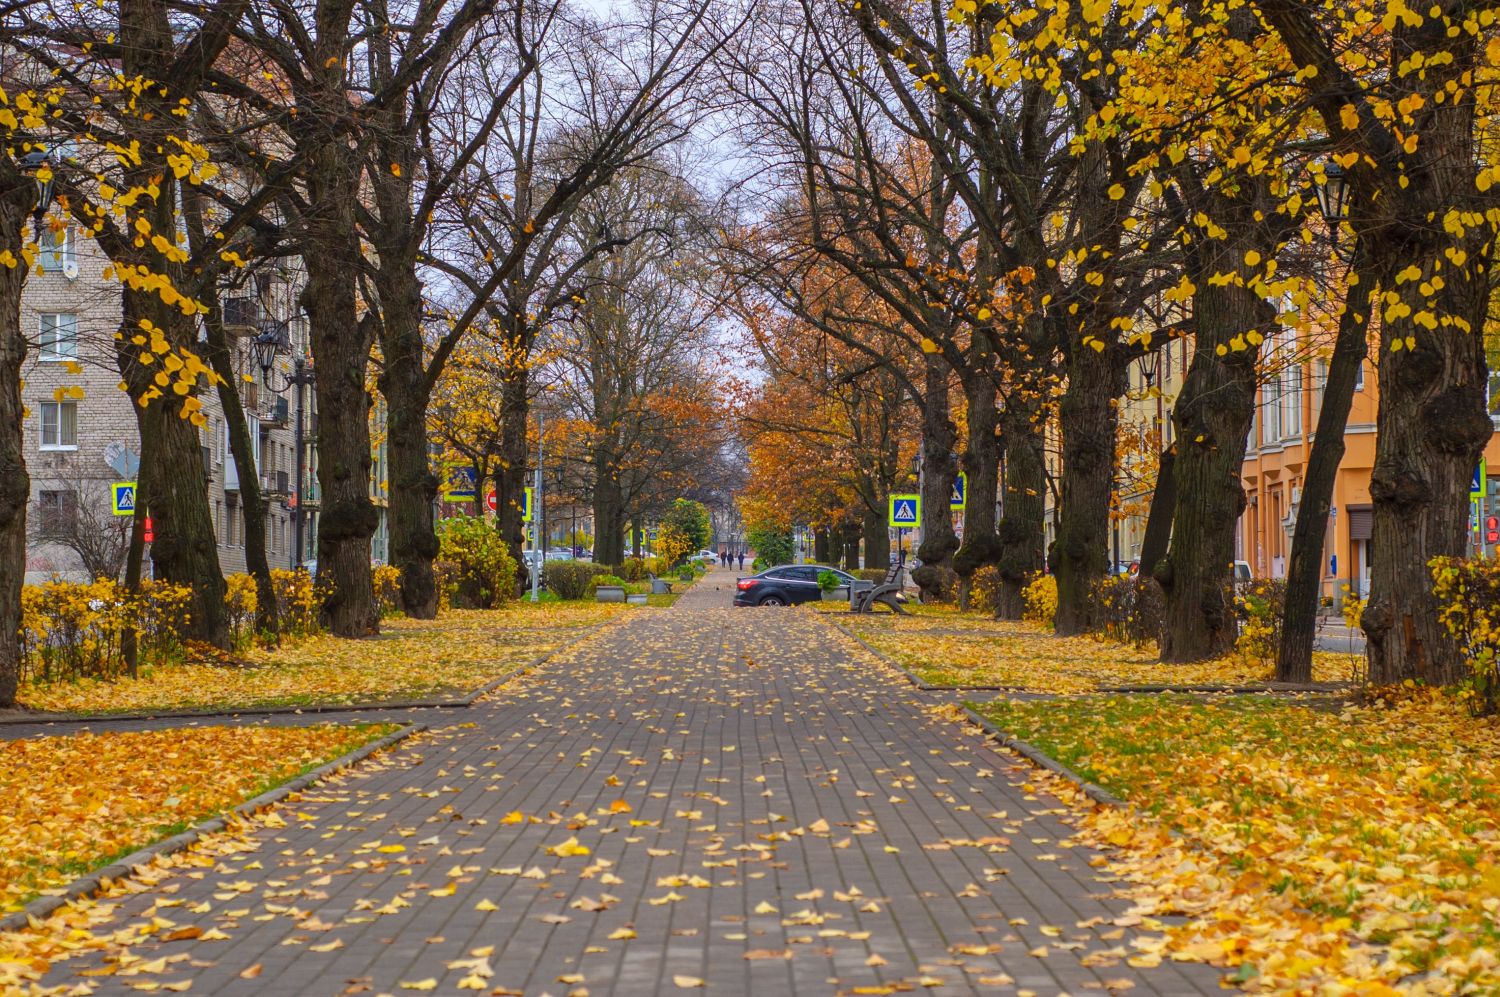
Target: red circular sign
pixel 490 500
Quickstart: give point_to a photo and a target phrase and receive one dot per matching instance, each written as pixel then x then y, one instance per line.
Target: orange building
pixel 1276 459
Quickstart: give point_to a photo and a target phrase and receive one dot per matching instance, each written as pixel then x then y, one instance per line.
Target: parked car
pixel 559 554
pixel 706 556
pixel 784 585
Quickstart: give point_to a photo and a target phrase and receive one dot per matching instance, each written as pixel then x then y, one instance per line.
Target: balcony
pixel 278 413
pixel 241 315
pixel 275 485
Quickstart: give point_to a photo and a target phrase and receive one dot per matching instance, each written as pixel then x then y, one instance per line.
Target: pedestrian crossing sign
pixel 960 491
pixel 906 511
pixel 122 498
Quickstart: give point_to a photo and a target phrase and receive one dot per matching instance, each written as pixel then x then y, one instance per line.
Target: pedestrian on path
pixel 742 560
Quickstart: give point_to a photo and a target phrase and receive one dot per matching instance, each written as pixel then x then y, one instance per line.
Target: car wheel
pixel 772 600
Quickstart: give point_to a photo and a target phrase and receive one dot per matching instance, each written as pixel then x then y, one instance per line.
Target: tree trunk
pixel 1213 418
pixel 1088 419
pixel 850 532
pixel 510 479
pixel 1023 527
pixel 241 447
pixel 254 506
pixel 173 483
pixel 413 486
pixel 1299 622
pixel 18 196
pixel 1159 519
pixel 877 538
pixel 1430 430
pixel 822 548
pixel 341 349
pixel 939 470
pixel 981 462
pixel 609 515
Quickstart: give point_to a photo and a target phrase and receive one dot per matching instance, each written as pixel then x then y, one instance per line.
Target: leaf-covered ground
pixel 76 802
pixel 967 650
pixel 1314 848
pixel 456 653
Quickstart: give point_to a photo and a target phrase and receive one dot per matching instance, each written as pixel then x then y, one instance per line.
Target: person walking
pixel 742 560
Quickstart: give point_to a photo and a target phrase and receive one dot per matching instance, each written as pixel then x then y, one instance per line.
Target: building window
pixel 1291 401
pixel 57 512
pixel 59 425
pixel 1359 379
pixel 55 252
pixel 59 336
pixel 1270 406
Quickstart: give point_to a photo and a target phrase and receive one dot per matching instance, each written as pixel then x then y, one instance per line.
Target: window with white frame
pixel 54 251
pixel 1291 401
pixel 58 338
pixel 59 425
pixel 1270 409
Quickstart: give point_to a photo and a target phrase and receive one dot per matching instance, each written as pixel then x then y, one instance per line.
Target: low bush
pixel 1468 595
pixel 72 630
pixel 686 574
pixel 1260 608
pixel 243 602
pixel 869 574
pixel 485 573
pixel 1040 597
pixel 299 601
pixel 633 570
pixel 388 589
pixel 1129 610
pixel 571 579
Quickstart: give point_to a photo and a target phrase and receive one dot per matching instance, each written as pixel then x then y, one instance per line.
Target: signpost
pixel 906 511
pixel 122 498
pixel 960 496
pixel 526 515
pixel 461 486
pixel 905 514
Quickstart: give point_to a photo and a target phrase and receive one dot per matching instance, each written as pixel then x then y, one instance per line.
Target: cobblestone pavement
pixel 702 796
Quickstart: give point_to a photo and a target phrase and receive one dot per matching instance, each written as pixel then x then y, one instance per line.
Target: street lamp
pixel 273 338
pixel 1333 198
pixel 32 164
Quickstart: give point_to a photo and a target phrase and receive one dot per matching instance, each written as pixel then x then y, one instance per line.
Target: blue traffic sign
pixel 461 484
pixel 960 495
pixel 906 511
pixel 122 498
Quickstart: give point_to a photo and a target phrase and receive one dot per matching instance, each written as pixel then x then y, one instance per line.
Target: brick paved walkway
pixel 793 821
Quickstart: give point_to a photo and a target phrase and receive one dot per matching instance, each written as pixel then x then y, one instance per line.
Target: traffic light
pixel 1492 530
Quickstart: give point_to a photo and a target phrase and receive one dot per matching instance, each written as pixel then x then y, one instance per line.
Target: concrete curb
pixel 455 703
pixel 1041 759
pixel 99 878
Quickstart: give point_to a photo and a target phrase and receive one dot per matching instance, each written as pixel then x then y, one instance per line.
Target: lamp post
pixel 1333 199
pixel 32 164
pixel 271 341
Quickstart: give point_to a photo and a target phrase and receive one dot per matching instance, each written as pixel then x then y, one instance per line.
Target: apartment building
pixel 1288 403
pixel 81 433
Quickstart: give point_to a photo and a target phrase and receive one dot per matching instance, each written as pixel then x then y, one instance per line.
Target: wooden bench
pixel 885 593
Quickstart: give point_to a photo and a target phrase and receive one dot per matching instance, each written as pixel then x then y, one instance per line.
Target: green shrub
pixel 685 574
pixel 633 570
pixel 484 574
pixel 870 574
pixel 571 579
pixel 827 580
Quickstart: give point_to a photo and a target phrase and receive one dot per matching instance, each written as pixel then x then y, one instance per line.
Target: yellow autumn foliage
pixel 1316 850
pixel 76 802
